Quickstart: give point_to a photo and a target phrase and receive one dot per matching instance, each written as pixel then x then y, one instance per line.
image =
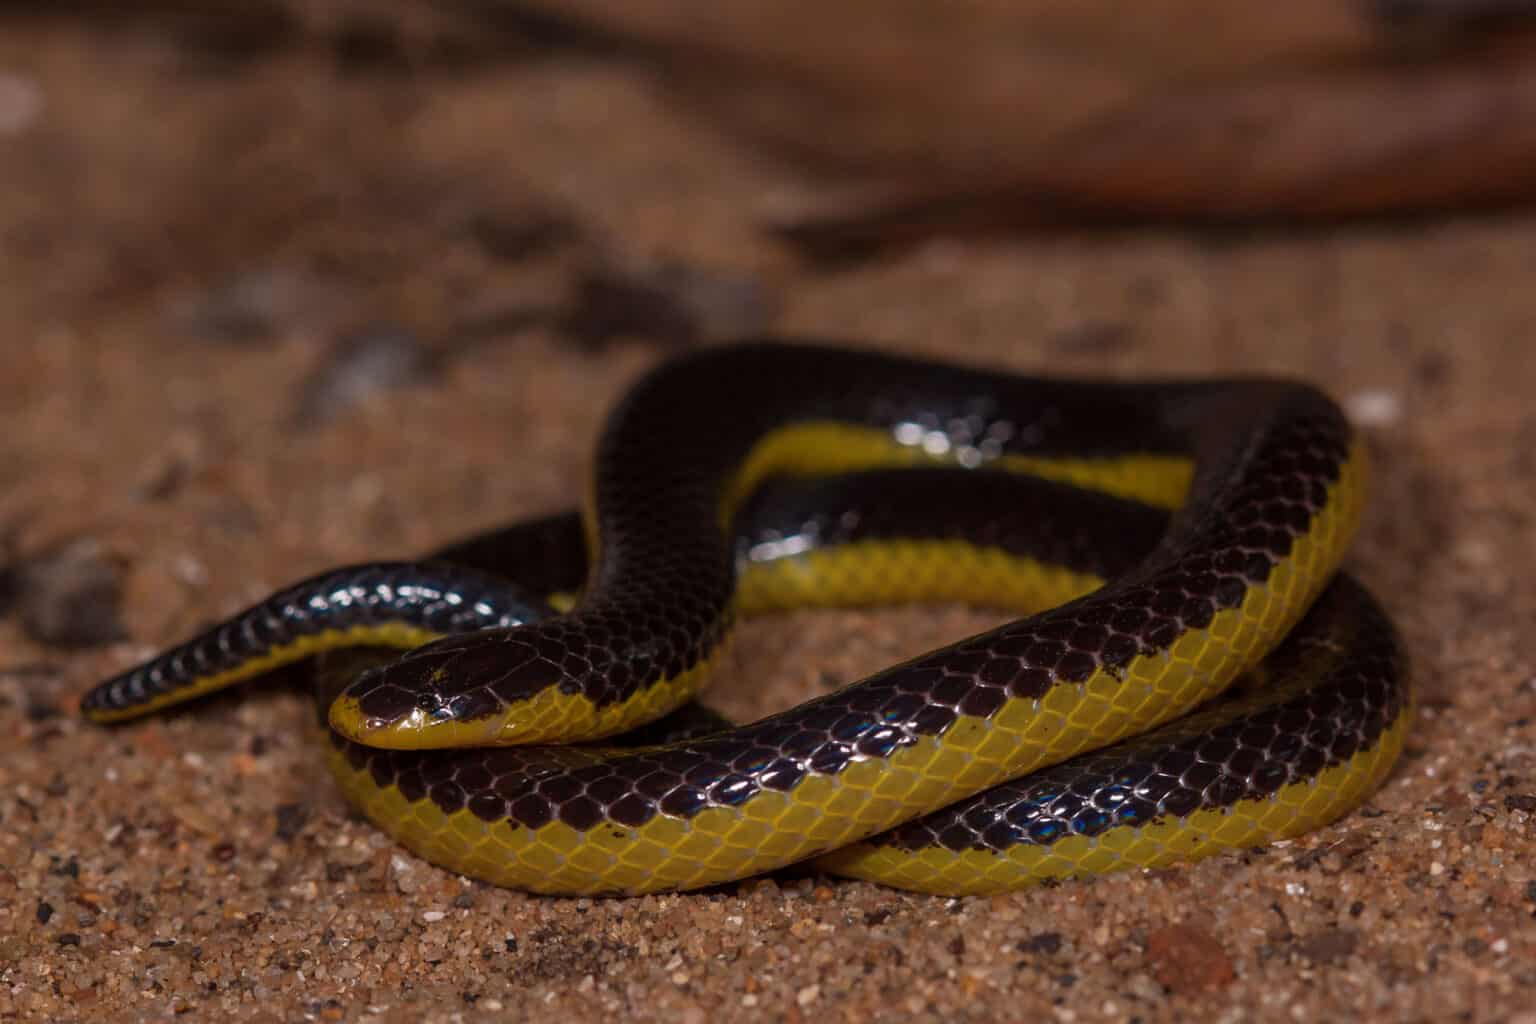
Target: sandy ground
pixel 194 260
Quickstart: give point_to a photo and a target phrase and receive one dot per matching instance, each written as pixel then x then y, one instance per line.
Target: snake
pixel 1185 669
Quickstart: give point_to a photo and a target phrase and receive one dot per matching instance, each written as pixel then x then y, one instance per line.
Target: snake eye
pixel 435 705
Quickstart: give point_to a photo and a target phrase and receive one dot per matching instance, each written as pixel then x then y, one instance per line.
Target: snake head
pixel 450 693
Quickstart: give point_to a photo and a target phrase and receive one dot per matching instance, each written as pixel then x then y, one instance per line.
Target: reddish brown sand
pixel 204 864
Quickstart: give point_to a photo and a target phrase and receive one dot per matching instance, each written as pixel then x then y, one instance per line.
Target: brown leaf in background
pixel 990 113
pixel 1292 149
pixel 983 115
pixel 924 86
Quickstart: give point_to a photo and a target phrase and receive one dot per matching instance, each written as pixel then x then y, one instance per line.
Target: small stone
pixel 406 878
pixel 21 103
pixel 1520 802
pixel 362 367
pixel 247 308
pixel 71 596
pixel 1328 945
pixel 1097 337
pixel 516 235
pixel 808 995
pixel 1185 958
pixel 291 819
pixel 669 302
pixel 1374 408
pixel 1044 943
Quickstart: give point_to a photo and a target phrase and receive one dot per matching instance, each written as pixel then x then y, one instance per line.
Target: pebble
pixel 672 303
pixel 246 308
pixel 362 367
pixel 1095 337
pixel 1374 408
pixel 1185 958
pixel 1329 944
pixel 70 596
pixel 21 103
pixel 291 819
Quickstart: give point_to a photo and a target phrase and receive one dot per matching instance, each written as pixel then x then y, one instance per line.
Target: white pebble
pixel 1375 408
pixel 21 101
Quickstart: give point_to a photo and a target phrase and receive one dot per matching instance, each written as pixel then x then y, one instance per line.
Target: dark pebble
pixel 1328 944
pixel 248 308
pixel 1048 943
pixel 68 939
pixel 519 235
pixel 672 303
pixel 39 711
pixel 364 365
pixel 71 596
pixel 1095 338
pixel 1520 802
pixel 291 819
pixel 224 852
pixel 44 911
pixel 165 478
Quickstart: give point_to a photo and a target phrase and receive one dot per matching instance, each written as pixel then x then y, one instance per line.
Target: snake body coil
pixel 747 479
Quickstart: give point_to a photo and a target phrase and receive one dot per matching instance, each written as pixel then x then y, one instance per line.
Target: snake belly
pixel 918 776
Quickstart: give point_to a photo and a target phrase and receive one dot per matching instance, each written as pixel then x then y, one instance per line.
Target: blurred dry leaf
pixel 971 113
pixel 985 115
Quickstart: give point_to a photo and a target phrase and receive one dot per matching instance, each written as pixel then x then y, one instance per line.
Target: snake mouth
pixel 441 723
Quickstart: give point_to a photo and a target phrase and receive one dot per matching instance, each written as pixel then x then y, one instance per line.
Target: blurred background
pixel 443 153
